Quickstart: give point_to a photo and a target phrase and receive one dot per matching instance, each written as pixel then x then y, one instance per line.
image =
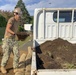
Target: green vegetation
pixel 20 28
pixel 2 21
pixel 2 31
pixel 6 14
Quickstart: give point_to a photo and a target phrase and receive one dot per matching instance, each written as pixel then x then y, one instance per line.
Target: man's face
pixel 18 16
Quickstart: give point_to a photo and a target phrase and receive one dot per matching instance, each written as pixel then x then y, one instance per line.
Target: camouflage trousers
pixel 10 45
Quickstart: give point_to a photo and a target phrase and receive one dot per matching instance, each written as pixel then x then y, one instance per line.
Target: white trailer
pixel 50 24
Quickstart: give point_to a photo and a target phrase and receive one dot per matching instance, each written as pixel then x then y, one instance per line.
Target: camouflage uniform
pixel 10 44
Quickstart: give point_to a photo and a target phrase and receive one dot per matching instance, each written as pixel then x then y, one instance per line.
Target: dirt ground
pixel 10 62
pixel 56 54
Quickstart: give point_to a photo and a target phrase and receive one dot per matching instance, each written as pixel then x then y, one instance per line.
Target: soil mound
pixel 22 35
pixel 56 54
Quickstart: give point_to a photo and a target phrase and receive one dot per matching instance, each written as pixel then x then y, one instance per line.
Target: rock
pixel 20 73
pixel 22 58
pixel 28 61
pixel 22 61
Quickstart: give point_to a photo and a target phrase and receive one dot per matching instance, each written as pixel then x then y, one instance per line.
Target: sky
pixel 32 4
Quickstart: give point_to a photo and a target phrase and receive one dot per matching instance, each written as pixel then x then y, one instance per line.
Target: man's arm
pixel 8 29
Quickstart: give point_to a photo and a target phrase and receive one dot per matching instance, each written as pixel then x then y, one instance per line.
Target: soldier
pixel 10 44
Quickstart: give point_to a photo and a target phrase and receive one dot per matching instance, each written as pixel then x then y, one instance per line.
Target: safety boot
pixel 3 70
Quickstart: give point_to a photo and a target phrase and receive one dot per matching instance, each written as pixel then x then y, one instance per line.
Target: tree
pixel 6 14
pixel 25 15
pixel 3 21
pixel 31 20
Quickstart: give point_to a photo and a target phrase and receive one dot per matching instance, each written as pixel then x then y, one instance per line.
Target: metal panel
pixel 65 30
pixel 40 26
pixel 46 27
pixel 74 30
pixel 33 67
pixel 51 31
pixel 56 72
pixel 49 17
